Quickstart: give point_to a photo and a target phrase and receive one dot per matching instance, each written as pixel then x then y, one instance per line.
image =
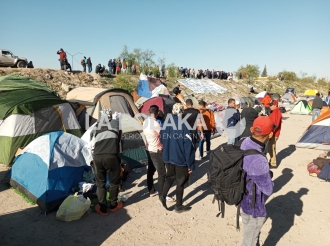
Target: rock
pixel 95 83
pixel 65 87
pixel 48 76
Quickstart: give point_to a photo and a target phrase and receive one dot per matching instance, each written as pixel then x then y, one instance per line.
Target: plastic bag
pixel 73 208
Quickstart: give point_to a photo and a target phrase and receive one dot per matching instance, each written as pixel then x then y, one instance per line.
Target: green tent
pixel 29 109
pixel 302 107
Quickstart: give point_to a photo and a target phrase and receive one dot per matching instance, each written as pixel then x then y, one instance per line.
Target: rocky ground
pixel 61 82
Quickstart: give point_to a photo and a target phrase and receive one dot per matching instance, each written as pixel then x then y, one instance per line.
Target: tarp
pixel 205 86
pixel 49 167
pixel 261 94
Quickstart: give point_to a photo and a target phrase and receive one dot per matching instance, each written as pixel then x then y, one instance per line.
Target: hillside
pixel 61 82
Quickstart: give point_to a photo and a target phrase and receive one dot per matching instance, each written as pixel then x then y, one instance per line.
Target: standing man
pixel 208 117
pixel 193 121
pixel 232 117
pixel 316 106
pixel 253 209
pixel 265 101
pixel 151 130
pixel 105 138
pixel 89 64
pixel 276 117
pixel 62 57
pixel 83 63
pixel 179 157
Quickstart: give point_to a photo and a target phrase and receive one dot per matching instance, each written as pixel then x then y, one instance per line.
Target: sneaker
pixel 119 206
pixel 182 209
pixel 272 167
pixel 154 194
pixel 163 202
pixel 98 210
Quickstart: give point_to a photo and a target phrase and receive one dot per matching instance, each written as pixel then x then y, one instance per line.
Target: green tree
pixel 264 72
pixel 250 72
pixel 288 75
pixel 171 70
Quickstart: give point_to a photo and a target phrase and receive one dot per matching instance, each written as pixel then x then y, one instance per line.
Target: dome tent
pixel 29 109
pixel 49 167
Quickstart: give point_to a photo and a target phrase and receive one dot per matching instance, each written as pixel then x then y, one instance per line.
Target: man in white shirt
pixel 154 147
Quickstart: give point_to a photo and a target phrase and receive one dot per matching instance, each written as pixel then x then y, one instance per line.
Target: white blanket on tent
pixel 202 86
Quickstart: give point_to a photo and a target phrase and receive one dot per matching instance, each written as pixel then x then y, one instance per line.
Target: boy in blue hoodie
pixel 257 172
pixel 178 155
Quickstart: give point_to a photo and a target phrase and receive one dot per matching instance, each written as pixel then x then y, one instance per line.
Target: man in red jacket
pixel 62 54
pixel 276 117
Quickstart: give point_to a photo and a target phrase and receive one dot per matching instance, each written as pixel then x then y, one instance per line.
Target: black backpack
pixel 227 176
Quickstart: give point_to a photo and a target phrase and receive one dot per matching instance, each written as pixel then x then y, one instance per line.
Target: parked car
pixel 8 59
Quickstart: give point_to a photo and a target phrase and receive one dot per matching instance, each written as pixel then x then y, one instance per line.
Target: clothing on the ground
pixel 317 103
pixel 181 176
pixel 207 139
pixel 272 150
pixel 257 169
pixel 249 114
pixel 156 163
pixel 178 147
pixel 193 114
pixel 151 130
pixel 104 140
pixel 251 229
pixel 276 117
pixel 107 165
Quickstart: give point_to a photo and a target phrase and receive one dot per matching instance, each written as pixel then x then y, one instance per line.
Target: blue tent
pixel 49 167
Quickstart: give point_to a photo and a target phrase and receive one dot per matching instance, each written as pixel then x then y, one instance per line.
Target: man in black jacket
pixel 317 106
pixel 105 139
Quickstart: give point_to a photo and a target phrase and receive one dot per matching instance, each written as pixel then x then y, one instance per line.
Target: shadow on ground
pixel 91 229
pixel 284 153
pixel 282 211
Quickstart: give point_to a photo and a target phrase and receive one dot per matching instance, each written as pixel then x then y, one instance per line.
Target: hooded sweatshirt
pixel 178 148
pixel 257 170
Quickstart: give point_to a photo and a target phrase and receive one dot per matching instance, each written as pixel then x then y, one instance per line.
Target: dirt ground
pixel 298 210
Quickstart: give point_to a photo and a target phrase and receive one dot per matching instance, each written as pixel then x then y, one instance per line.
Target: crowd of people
pixel 171 152
pixel 204 74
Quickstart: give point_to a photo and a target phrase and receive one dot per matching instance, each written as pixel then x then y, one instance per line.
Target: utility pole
pixel 72 57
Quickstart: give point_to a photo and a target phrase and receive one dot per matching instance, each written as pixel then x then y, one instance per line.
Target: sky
pixel 292 35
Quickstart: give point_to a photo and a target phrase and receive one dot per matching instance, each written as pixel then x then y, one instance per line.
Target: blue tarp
pixel 143 89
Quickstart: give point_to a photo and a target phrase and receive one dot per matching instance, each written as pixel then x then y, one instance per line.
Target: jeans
pixel 232 139
pixel 107 165
pixel 90 69
pixel 181 176
pixel 315 113
pixel 156 163
pixel 272 150
pixel 251 227
pixel 207 138
pixel 84 67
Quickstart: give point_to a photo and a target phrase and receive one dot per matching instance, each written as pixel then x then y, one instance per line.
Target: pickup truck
pixel 8 59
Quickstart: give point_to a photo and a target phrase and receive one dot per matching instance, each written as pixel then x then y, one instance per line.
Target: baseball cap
pixel 262 125
pixel 237 102
pixel 273 102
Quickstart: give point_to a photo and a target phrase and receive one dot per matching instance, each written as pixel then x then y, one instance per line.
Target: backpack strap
pixel 253 152
pixel 237 217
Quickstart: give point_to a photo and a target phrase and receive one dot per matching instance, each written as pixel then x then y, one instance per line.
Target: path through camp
pixel 297 211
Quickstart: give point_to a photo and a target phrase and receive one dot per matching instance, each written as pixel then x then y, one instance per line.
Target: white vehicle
pixel 8 59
